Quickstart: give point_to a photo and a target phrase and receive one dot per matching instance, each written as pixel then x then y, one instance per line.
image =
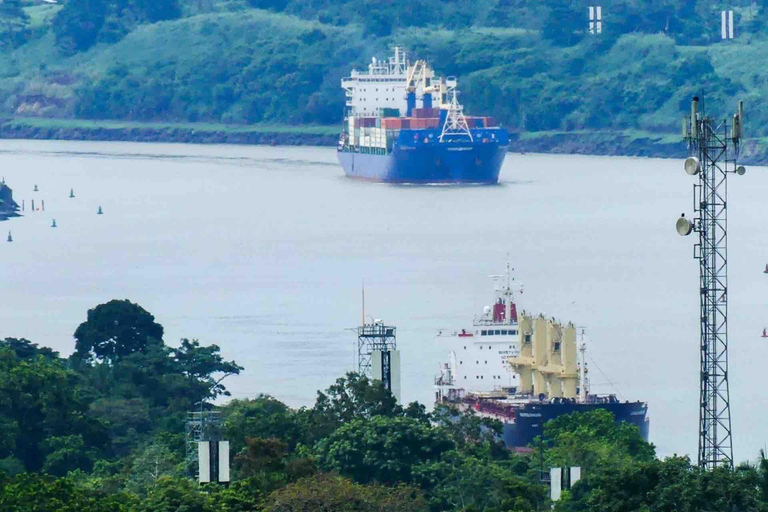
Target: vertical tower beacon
pixel 377 355
pixel 714 149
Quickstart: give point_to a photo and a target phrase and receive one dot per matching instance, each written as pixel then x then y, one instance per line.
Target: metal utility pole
pixel 714 151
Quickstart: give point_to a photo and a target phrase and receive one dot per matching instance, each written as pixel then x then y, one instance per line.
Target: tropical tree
pixel 382 449
pixel 669 485
pixel 594 441
pixel 44 415
pixel 333 493
pixel 115 330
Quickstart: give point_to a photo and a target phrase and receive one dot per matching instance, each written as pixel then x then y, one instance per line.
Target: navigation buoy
pixel 53 224
pixel 10 238
pixel 71 193
pixel 35 189
pixel 100 212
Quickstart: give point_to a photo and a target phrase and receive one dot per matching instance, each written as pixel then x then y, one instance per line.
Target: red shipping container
pixel 422 113
pixel 392 123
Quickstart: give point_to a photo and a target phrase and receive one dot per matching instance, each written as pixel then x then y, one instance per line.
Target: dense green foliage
pixel 531 64
pixel 103 431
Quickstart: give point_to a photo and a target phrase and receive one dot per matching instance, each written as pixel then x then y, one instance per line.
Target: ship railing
pixel 489 321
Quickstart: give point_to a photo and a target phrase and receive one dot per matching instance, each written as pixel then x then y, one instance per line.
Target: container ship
pixel 403 124
pixel 522 370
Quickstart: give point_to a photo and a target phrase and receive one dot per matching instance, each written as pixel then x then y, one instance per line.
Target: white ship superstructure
pixel 478 356
pixel 386 85
pixel 382 86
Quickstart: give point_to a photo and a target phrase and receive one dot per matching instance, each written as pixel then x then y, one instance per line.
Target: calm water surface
pixel 263 250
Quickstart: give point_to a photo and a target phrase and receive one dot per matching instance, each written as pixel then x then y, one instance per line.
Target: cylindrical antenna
pixel 694 117
pixel 741 119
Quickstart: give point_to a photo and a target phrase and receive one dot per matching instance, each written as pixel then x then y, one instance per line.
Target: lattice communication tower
pixel 376 337
pixel 714 149
pixel 201 426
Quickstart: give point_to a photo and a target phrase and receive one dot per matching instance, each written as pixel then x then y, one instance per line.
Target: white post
pixel 204 461
pixel 730 24
pixel 223 461
pixel 575 475
pixel 599 19
pixel 556 483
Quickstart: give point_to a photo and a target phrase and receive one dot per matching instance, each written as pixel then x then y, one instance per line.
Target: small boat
pixel 100 212
pixel 53 224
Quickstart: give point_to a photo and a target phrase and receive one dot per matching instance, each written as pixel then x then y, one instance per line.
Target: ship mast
pixel 455 122
pixel 508 299
pixel 583 382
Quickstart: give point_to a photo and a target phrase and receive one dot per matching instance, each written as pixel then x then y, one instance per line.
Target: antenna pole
pixel 583 370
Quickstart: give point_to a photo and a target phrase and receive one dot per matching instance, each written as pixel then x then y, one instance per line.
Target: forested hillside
pixel 530 63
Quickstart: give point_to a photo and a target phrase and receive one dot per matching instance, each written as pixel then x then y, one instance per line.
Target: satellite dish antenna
pixel 741 170
pixel 683 226
pixel 692 165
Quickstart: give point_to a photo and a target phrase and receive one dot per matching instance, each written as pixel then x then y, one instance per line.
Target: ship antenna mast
pixel 583 382
pixel 455 122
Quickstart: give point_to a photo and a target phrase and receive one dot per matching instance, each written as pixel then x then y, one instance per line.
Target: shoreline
pixel 604 143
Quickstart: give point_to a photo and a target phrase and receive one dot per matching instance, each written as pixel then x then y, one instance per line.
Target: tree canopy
pixel 116 329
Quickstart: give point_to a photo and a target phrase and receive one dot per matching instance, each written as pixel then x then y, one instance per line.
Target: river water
pixel 262 250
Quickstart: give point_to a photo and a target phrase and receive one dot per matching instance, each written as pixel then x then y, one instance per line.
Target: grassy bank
pixel 586 142
pixel 215 133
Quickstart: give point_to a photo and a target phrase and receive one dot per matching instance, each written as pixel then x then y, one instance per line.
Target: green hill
pixel 531 64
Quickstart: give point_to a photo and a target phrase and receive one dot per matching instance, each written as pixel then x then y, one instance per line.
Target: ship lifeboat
pixel 465 334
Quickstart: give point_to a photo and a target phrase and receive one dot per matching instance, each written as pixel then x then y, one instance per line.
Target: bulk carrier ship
pixel 404 125
pixel 523 371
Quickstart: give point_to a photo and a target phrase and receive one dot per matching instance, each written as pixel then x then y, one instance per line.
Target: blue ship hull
pixel 530 419
pixel 418 157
